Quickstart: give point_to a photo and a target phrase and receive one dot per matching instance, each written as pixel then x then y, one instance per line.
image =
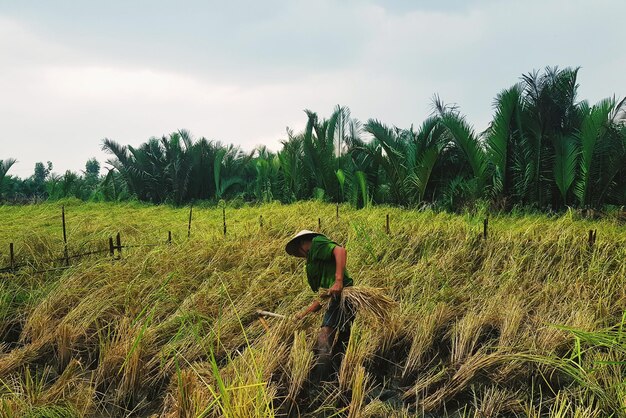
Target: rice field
pixel 528 323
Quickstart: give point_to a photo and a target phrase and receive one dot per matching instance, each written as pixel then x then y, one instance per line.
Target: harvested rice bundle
pixel 371 302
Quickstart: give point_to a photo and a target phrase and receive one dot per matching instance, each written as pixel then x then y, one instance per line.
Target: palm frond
pixel 566 157
pixel 5 166
pixel 500 136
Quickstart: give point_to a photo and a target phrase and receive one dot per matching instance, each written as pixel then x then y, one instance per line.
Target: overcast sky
pixel 75 72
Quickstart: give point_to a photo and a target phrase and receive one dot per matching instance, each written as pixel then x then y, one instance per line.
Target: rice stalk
pixel 424 328
pixel 495 401
pixel 479 362
pixel 359 390
pixel 361 347
pixel 300 362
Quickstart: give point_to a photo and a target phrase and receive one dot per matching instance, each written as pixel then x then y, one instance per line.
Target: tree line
pixel 43 184
pixel 542 149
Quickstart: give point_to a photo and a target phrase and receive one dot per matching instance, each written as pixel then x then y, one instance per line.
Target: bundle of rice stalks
pixel 24 355
pixel 369 302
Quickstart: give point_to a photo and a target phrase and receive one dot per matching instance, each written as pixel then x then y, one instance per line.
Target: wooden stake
pixel 224 218
pixel 261 221
pixel 12 256
pixel 337 209
pixel 592 237
pixel 189 226
pixel 111 247
pixel 65 253
pixel 319 224
pixel 118 240
pixel 387 226
pixel 169 237
pixel 485 228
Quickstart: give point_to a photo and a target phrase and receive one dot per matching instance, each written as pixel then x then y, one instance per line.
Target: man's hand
pixel 335 289
pixel 300 316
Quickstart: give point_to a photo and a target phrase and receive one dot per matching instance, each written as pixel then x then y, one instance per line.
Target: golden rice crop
pixel 528 322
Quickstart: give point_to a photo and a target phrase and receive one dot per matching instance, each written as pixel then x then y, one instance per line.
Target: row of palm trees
pixel 543 148
pixel 43 184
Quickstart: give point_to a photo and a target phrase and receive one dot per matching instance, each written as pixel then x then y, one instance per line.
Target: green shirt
pixel 321 266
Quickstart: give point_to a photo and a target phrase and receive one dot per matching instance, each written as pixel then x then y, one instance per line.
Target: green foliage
pixel 542 149
pixel 503 139
pixel 565 159
pixel 266 180
pixel 5 165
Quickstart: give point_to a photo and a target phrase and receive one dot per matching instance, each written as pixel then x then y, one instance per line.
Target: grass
pixel 527 323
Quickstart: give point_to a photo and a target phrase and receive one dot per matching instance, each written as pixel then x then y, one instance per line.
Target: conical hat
pixel 292 245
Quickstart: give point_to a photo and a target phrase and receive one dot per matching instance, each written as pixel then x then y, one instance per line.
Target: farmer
pixel 325 268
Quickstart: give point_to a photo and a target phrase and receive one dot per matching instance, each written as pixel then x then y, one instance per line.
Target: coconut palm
pixel 425 150
pixel 291 168
pixel 5 165
pixel 531 143
pixel 602 151
pixel 504 141
pixel 178 164
pixel 346 132
pixel 417 164
pixel 464 143
pixel 319 156
pixel 357 175
pixel 125 164
pixel 113 187
pixel 390 153
pixel 542 148
pixel 371 186
pixel 227 169
pixel 551 120
pixel 264 183
pixel 201 178
pixel 175 169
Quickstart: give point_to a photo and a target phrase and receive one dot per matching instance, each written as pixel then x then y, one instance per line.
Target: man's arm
pixel 340 255
pixel 314 307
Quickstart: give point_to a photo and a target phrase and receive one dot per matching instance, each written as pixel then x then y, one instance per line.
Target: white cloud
pixel 112 84
pixel 73 74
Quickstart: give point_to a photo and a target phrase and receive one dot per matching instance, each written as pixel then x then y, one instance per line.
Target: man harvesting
pixel 325 268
